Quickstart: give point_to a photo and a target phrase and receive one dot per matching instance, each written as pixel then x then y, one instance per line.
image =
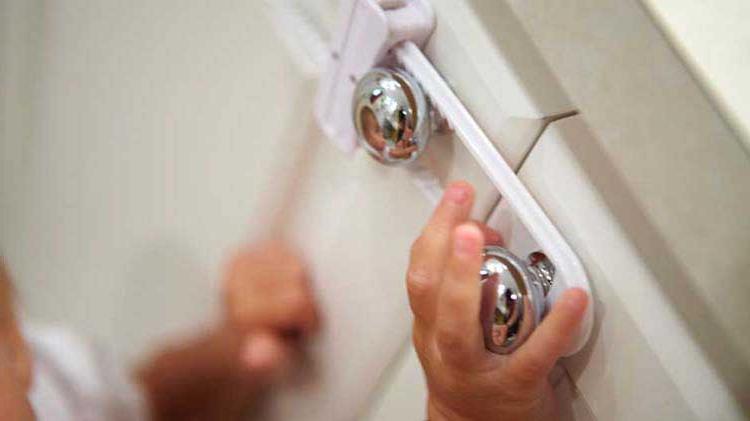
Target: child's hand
pixel 465 381
pixel 269 301
pixel 269 310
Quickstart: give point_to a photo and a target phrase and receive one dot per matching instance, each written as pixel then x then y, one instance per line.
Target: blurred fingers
pixel 287 309
pixel 268 288
pixel 266 355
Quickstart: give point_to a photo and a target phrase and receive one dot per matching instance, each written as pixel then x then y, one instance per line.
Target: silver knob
pixel 513 292
pixel 391 115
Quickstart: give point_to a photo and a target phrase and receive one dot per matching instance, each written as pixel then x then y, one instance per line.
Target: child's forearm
pixel 180 379
pixel 13 403
pixel 11 338
pixel 15 359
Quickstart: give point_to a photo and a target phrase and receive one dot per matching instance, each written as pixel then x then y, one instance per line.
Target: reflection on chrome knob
pixel 513 294
pixel 391 115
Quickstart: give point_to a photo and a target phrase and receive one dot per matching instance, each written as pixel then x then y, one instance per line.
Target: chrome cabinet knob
pixel 513 293
pixel 391 115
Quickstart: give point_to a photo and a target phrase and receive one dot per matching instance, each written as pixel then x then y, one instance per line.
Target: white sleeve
pixel 74 380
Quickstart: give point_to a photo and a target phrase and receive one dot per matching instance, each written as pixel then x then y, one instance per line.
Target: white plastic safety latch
pixel 369 28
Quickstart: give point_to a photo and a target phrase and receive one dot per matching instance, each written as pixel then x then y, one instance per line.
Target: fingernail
pixel 467 239
pixel 576 299
pixel 458 193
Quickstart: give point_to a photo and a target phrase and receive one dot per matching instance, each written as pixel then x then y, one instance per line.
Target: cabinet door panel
pixel 494 68
pixel 149 142
pixel 641 336
pixel 154 142
pixel 643 360
pixel 141 154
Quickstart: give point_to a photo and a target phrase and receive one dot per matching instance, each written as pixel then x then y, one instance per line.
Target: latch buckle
pixel 368 30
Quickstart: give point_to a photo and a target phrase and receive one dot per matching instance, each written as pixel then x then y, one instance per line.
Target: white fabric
pixel 75 381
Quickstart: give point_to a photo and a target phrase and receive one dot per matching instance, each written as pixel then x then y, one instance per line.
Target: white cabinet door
pixel 655 303
pixel 673 171
pixel 646 359
pixel 142 141
pixel 650 186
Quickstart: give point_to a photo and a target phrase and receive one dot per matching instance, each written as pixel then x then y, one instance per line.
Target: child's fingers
pixel 534 359
pixel 430 250
pixel 457 329
pixel 266 288
pixel 265 355
pixel 286 306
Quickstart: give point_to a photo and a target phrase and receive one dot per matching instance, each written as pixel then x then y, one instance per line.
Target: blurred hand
pixel 269 302
pixel 465 381
pixel 269 311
